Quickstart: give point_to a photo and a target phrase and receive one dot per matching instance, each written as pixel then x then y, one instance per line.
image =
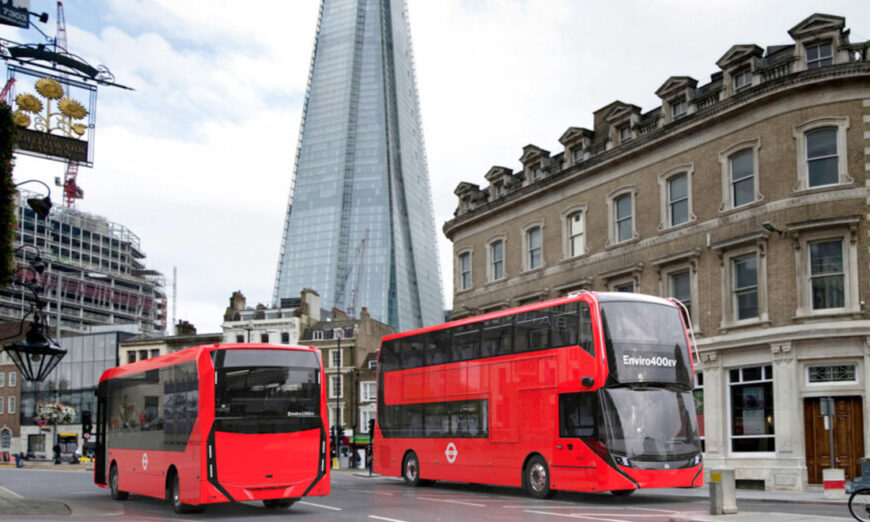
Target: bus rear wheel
pixel 536 478
pixel 175 498
pixel 622 492
pixel 281 503
pixel 117 494
pixel 411 469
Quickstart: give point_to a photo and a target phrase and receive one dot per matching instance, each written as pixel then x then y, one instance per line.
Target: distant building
pixel 94 267
pixel 10 395
pixel 746 197
pixel 278 325
pixel 349 348
pixel 146 346
pixel 73 382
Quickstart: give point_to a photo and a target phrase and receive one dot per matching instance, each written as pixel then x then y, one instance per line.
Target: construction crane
pixel 71 191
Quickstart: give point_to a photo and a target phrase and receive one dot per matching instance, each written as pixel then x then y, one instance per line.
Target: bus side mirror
pixel 587 381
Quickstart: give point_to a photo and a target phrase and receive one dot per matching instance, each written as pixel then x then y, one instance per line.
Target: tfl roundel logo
pixel 144 461
pixel 451 453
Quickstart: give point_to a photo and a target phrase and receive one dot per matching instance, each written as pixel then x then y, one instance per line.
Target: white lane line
pixel 452 501
pixel 8 493
pixel 669 511
pixel 591 516
pixel 320 505
pixel 372 492
pixel 385 518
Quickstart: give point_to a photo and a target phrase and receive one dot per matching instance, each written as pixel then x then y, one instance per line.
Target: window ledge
pixel 464 290
pixel 800 191
pixel 686 224
pixel 834 313
pixel 578 257
pixel 533 270
pixel 733 210
pixel 748 323
pixel 627 242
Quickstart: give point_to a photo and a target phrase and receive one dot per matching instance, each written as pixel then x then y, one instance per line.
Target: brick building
pixel 747 198
pixel 349 348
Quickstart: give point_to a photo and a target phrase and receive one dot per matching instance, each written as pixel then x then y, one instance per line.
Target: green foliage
pixel 8 139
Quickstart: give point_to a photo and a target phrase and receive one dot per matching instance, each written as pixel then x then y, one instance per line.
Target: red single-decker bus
pixel 216 423
pixel 591 392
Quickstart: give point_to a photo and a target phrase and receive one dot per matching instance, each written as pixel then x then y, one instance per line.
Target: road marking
pixel 320 506
pixel 452 501
pixel 385 518
pixel 372 492
pixel 8 493
pixel 590 516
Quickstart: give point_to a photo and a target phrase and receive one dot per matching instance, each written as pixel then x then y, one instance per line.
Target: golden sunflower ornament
pixel 28 103
pixel 79 129
pixel 72 108
pixel 49 88
pixel 21 119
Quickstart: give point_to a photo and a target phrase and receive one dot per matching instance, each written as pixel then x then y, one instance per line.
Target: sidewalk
pixel 49 465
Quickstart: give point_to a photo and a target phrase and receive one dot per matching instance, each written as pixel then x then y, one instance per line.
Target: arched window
pixel 5 439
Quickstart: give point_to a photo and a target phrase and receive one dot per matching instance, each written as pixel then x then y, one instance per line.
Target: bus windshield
pixel 646 343
pixel 650 424
pixel 266 391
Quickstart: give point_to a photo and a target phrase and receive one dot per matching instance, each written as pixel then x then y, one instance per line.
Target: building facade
pixel 10 399
pixel 282 324
pixel 747 198
pixel 359 225
pixel 73 383
pixel 95 272
pixel 349 348
pixel 146 346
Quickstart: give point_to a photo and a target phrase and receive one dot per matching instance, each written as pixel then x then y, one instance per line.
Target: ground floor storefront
pixel 781 411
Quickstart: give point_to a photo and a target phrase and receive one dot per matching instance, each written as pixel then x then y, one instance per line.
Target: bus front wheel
pixel 622 492
pixel 536 478
pixel 117 494
pixel 279 503
pixel 411 469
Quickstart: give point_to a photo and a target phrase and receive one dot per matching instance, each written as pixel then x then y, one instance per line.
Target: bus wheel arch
pixel 170 473
pixel 536 476
pixel 117 494
pixel 411 468
pixel 174 494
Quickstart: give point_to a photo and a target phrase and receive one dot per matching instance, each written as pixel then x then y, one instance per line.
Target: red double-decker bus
pixel 591 392
pixel 217 423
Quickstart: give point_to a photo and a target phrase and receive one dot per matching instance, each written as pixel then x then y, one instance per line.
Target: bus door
pixel 579 436
pixel 100 449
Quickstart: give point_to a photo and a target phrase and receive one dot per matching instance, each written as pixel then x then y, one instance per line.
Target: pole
pixel 338 435
pixel 831 431
pixel 59 289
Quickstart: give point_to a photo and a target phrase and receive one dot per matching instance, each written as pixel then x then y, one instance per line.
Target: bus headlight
pixel 696 460
pixel 622 461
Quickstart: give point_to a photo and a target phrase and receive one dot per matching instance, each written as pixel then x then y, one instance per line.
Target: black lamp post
pixel 37 355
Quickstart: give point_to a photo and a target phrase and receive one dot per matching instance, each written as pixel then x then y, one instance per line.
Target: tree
pixel 8 140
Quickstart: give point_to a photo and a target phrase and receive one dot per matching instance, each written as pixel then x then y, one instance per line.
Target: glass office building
pixel 359 228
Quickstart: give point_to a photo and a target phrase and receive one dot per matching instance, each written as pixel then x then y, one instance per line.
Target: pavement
pixel 13 504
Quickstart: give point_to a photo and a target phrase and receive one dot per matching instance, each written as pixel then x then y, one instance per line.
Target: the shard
pixel 359 228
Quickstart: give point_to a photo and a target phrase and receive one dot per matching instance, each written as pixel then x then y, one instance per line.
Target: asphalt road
pixel 387 499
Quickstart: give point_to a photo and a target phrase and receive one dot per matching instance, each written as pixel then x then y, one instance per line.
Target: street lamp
pixel 42 206
pixel 37 355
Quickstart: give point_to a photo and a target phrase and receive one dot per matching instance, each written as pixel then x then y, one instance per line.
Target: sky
pixel 197 160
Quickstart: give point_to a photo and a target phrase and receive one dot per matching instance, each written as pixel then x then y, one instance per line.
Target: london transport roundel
pixel 451 453
pixel 144 461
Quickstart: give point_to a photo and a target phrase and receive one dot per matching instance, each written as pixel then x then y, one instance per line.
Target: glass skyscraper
pixel 359 228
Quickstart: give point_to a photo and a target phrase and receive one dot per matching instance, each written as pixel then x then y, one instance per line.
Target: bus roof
pixel 191 354
pixel 599 296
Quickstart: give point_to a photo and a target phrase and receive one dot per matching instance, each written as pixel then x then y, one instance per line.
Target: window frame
pixel 490 259
pixel 741 74
pixel 333 354
pixel 816 63
pixel 567 243
pixel 841 124
pixel 527 249
pixel 10 405
pixel 677 104
pixel 623 133
pixel 460 273
pixel 846 231
pixel 831 364
pixel 725 158
pixel 756 244
pixel 665 206
pixel 730 409
pixel 364 386
pixel 332 379
pixel 2 379
pixel 612 224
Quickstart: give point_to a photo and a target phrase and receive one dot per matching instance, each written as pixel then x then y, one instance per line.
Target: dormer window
pixel 819 55
pixel 624 133
pixel 537 173
pixel 742 79
pixel 577 154
pixel 679 108
pixel 499 190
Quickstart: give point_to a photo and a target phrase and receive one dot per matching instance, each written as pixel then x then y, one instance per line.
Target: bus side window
pixel 586 340
pixel 563 319
pixel 412 352
pixel 497 337
pixel 577 415
pixel 389 359
pixel 532 331
pixel 437 347
pixel 466 342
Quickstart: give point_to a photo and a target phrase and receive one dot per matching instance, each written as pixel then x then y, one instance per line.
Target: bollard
pixel 723 494
pixel 834 483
